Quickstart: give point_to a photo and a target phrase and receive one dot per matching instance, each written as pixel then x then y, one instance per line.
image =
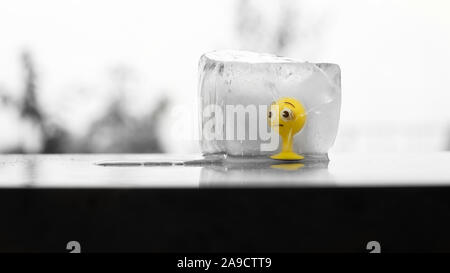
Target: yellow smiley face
pixel 288 115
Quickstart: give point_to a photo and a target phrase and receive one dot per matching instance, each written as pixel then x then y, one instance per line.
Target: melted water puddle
pixel 246 162
pixel 160 163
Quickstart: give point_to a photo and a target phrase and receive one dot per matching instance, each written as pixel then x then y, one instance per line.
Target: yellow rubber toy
pixel 289 116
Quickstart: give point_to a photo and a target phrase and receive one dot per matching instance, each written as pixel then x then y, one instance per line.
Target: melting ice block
pixel 236 89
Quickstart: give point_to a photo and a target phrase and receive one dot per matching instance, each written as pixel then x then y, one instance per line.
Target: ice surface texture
pixel 247 78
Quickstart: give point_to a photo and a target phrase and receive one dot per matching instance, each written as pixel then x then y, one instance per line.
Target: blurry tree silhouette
pixel 285 32
pixel 54 138
pixel 257 33
pixel 116 131
pixel 29 107
pixel 279 27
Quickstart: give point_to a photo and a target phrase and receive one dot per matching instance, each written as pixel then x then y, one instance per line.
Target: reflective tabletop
pixel 192 171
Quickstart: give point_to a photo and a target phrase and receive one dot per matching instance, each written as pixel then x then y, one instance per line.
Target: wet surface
pixel 192 171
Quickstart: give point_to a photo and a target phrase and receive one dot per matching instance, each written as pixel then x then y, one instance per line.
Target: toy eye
pixel 286 114
pixel 270 114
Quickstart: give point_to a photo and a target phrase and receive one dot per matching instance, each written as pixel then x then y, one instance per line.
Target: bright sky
pixel 394 54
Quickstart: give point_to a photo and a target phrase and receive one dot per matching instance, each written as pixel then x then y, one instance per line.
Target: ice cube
pixel 236 89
